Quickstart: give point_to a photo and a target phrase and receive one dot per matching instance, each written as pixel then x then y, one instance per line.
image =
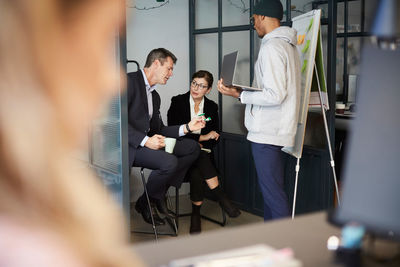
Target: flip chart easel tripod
pixel 313 88
pixel 332 162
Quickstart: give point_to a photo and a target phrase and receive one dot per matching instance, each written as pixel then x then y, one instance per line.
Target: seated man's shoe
pixel 142 208
pixel 195 224
pixel 162 208
pixel 228 207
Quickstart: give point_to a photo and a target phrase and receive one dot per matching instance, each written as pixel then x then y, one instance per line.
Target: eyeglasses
pixel 252 21
pixel 199 85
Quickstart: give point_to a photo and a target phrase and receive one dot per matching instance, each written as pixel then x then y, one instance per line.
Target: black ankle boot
pixel 225 203
pixel 195 220
pixel 228 207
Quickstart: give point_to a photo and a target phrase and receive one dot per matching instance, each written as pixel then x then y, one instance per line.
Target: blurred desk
pixel 343 121
pixel 306 235
pixel 343 124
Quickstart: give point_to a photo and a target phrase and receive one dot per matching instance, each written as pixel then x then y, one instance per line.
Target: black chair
pixel 178 214
pixel 172 222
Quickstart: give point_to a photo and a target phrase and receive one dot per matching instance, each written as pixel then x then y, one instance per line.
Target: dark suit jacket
pixel 139 123
pixel 179 113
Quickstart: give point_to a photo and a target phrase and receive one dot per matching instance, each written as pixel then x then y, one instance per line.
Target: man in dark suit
pixel 147 132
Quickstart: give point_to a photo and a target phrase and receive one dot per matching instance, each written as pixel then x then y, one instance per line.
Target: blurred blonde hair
pixel 41 185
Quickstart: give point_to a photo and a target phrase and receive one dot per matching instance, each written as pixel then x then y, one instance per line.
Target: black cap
pixel 269 8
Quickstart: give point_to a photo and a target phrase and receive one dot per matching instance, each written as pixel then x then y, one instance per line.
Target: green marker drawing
pixel 303 68
pixel 310 25
pixel 306 46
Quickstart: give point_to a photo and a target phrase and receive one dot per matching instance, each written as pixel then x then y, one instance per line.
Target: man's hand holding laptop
pixel 231 90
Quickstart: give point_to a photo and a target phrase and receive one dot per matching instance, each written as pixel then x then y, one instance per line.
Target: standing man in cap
pixel 271 114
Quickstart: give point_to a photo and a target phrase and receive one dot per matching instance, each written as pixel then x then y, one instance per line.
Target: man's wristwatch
pixel 187 128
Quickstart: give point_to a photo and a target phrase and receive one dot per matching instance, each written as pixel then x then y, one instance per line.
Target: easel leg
pixel 295 187
pixel 327 136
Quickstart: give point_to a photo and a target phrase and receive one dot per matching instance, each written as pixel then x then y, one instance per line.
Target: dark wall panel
pixel 235 168
pixel 239 178
pixel 315 185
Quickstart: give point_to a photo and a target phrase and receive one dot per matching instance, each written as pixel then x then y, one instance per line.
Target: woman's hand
pixel 211 135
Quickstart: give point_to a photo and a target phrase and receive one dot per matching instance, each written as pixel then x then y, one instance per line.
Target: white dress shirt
pixel 193 114
pixel 149 90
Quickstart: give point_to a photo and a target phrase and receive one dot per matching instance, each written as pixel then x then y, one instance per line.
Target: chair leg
pixel 169 202
pixel 223 217
pixel 149 205
pixel 222 223
pixel 177 214
pixel 177 206
pixel 174 224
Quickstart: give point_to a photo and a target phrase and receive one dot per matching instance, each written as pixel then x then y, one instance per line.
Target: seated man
pixel 147 132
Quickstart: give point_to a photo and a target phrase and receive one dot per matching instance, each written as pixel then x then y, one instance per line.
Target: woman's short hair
pixel 204 74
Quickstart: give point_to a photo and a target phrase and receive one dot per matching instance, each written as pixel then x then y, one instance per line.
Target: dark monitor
pixel 371 190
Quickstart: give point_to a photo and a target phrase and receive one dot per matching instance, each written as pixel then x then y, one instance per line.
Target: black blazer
pixel 179 113
pixel 139 123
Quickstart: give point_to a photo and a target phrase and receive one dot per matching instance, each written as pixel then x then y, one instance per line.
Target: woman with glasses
pixel 183 108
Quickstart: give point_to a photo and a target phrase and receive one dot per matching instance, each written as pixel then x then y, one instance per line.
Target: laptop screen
pixel 228 68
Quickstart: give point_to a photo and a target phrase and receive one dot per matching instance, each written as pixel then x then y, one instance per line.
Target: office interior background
pixel 199 33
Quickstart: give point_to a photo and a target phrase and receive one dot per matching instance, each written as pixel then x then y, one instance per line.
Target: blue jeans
pixel 269 164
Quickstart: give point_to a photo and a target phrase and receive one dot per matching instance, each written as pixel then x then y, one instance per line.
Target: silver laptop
pixel 228 72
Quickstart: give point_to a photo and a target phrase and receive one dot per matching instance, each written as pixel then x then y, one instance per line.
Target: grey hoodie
pixel 272 114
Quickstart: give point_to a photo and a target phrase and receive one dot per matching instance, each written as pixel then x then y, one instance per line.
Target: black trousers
pixel 168 169
pixel 202 169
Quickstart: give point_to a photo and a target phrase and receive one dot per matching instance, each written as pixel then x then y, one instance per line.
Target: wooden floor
pixel 210 209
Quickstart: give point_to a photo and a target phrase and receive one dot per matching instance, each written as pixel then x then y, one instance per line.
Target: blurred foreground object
pixel 56 72
pixel 386 27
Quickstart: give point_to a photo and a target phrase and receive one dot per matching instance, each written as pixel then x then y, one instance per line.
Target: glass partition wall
pixel 218 27
pixel 344 28
pixel 354 18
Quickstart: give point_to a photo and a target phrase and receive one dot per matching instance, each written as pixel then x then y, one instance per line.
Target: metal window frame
pixel 345 35
pixel 219 30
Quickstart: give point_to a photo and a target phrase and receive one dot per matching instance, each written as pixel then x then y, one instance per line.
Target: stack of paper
pixel 253 256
